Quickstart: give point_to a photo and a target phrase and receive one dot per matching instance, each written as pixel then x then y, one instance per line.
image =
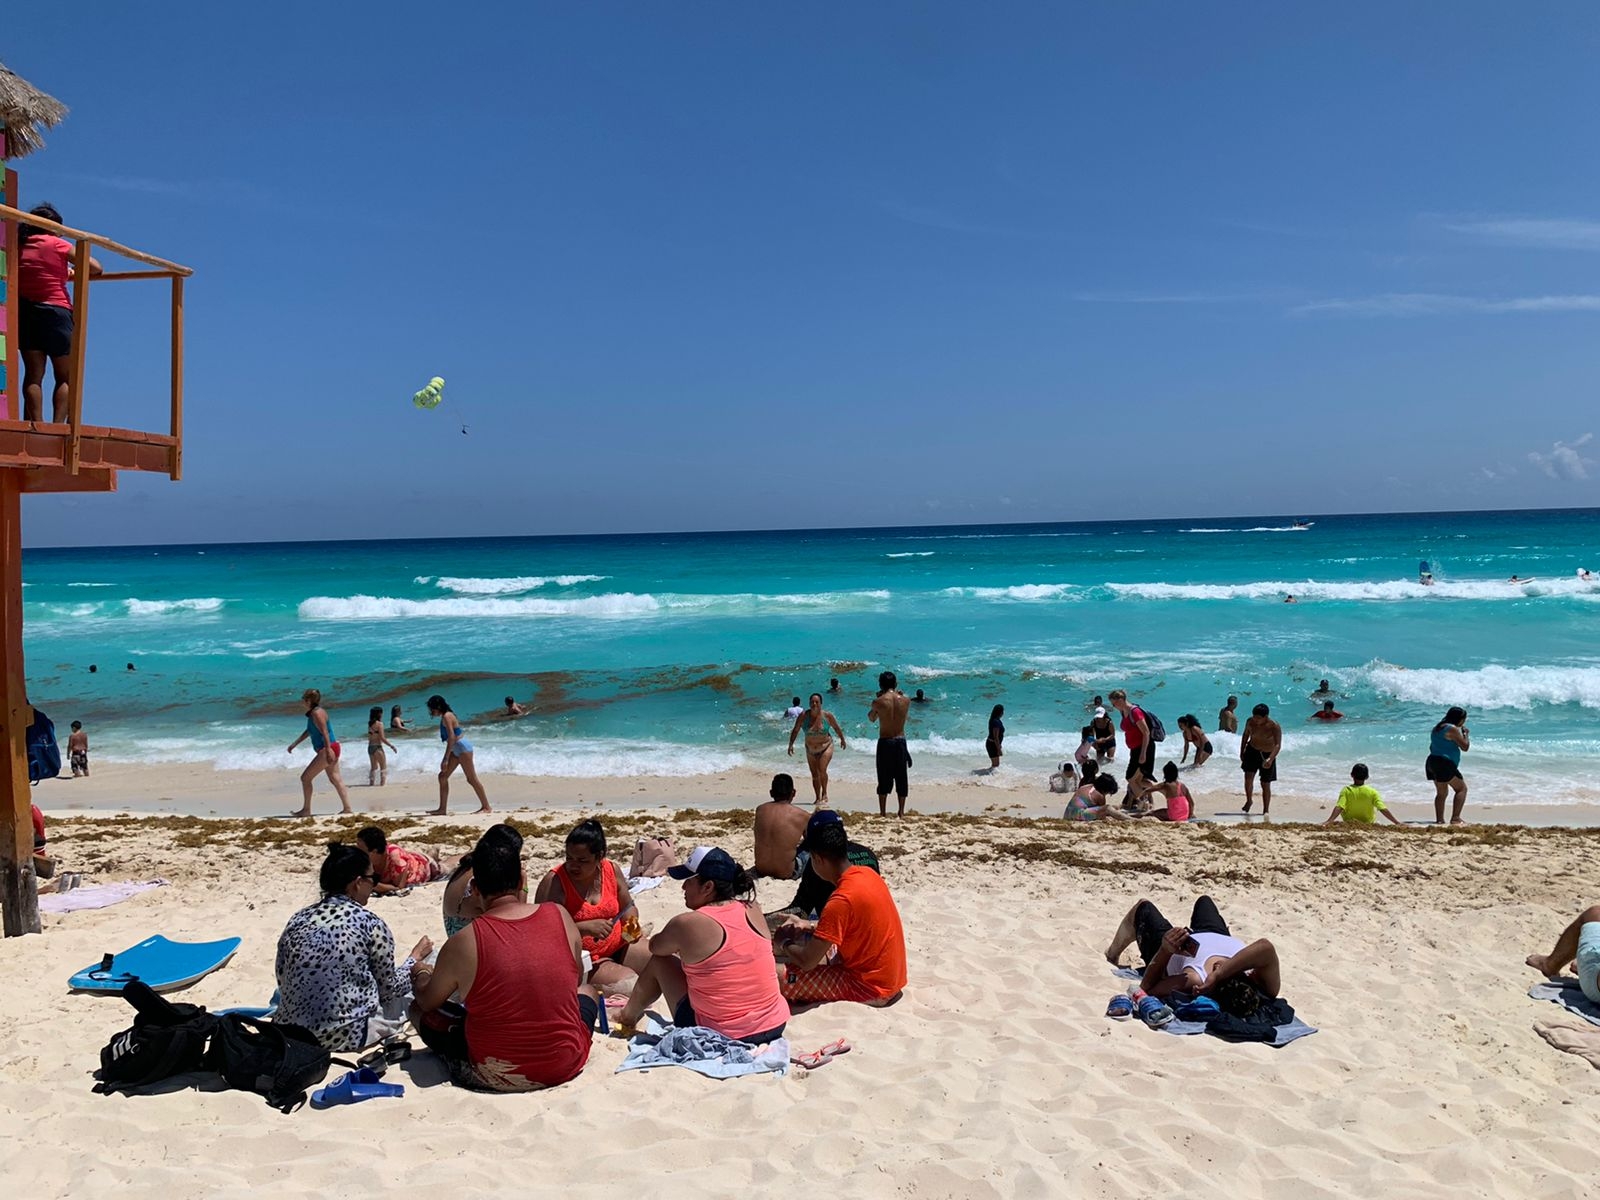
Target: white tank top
pixel 1211 945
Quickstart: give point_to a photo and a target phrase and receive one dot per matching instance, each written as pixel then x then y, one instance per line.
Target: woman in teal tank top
pixel 1443 768
pixel 326 752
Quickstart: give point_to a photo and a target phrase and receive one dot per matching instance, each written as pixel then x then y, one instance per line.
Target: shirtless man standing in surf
pixel 888 712
pixel 1258 753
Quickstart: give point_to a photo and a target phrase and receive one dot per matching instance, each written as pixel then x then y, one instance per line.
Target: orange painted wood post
pixel 19 895
pixel 80 343
pixel 177 377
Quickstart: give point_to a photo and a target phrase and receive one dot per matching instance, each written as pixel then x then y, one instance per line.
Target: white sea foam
pixel 390 608
pixel 1490 687
pixel 91 585
pixel 160 608
pixel 913 554
pixel 75 611
pixel 506 586
pixel 1388 589
pixel 1248 529
pixel 1021 591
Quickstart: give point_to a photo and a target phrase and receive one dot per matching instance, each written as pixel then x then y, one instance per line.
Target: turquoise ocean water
pixel 676 654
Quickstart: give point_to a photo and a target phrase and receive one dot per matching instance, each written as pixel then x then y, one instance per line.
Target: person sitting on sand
pixel 529 1017
pixel 1327 713
pixel 596 896
pixel 1359 804
pixel 1198 959
pixel 1091 802
pixel 397 722
pixel 856 950
pixel 1578 946
pixel 335 966
pixel 1194 738
pixel 1065 780
pixel 461 905
pixel 779 828
pixel 43 865
pixel 1180 804
pixel 325 752
pixel 714 964
pixel 513 709
pixel 812 894
pixel 395 867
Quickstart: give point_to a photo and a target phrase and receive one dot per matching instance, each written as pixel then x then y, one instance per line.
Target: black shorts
pixel 44 327
pixel 1149 926
pixel 992 748
pixel 1142 762
pixel 1440 769
pixel 1206 748
pixel 893 759
pixel 1250 760
pixel 683 1017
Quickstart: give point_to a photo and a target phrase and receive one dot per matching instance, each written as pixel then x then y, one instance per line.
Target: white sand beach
pixel 997 1075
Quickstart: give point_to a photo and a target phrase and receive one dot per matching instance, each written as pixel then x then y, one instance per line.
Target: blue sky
pixel 740 266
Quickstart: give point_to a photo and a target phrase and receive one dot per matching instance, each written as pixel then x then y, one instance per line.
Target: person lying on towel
pixel 1200 958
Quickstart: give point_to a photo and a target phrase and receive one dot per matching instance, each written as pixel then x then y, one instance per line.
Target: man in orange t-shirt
pixel 857 947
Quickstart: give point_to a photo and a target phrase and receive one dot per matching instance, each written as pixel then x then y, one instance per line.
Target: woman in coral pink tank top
pixel 714 963
pixel 44 314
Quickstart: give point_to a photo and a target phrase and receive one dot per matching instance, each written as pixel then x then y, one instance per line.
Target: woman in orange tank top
pixel 595 893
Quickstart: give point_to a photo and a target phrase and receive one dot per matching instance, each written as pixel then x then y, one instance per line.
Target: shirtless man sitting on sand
pixel 888 712
pixel 779 827
pixel 1197 959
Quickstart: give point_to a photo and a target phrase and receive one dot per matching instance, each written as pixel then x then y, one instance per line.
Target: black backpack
pixel 1158 731
pixel 277 1059
pixel 44 756
pixel 166 1039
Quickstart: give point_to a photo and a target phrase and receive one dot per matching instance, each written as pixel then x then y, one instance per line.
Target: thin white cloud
pixel 1549 233
pixel 1434 304
pixel 1563 460
pixel 1174 297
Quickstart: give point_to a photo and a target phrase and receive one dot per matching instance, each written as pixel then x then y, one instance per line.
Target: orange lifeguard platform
pixel 49 456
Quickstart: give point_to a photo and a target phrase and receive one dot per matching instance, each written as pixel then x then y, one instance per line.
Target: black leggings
pixel 1149 925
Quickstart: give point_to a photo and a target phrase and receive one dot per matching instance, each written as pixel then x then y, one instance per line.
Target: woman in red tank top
pixel 595 894
pixel 528 1017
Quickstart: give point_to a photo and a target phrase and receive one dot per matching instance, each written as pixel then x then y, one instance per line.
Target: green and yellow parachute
pixel 430 396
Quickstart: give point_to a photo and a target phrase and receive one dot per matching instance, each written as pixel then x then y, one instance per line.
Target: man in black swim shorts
pixel 1258 755
pixel 888 712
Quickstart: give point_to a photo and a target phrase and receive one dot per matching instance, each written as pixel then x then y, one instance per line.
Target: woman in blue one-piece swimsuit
pixel 457 752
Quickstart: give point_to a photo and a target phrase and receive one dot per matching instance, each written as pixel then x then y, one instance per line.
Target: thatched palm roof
pixel 26 113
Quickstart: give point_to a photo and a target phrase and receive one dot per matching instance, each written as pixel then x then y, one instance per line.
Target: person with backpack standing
pixel 1140 733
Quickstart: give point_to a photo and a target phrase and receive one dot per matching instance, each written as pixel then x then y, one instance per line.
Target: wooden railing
pixel 161 269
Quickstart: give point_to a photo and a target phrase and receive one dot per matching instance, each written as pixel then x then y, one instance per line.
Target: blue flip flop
pixel 1153 1012
pixel 353 1087
pixel 1120 1008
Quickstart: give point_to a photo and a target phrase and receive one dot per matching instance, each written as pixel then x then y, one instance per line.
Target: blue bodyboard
pixel 160 964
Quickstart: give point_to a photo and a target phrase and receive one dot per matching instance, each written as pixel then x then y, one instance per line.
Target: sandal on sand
pixel 1120 1008
pixel 1153 1012
pixel 823 1056
pixel 354 1086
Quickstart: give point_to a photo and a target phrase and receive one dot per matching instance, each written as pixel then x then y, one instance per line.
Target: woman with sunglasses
pixel 336 971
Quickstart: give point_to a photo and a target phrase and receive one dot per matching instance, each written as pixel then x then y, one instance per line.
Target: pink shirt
pixel 735 989
pixel 42 270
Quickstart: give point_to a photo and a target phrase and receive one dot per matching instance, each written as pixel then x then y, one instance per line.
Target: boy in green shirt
pixel 1358 803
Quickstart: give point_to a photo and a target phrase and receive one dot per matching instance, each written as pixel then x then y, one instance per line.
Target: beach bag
pixel 1158 731
pixel 44 756
pixel 166 1039
pixel 275 1059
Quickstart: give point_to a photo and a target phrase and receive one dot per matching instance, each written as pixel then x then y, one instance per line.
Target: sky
pixel 734 266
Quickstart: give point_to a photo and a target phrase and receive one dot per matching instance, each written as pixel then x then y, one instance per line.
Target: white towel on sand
pixel 96 895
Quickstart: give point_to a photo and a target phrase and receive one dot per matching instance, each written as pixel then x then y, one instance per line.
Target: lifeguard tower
pixel 40 456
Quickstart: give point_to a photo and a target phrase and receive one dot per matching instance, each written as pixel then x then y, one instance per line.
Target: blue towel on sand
pixel 1569 996
pixel 1283 1034
pixel 703 1050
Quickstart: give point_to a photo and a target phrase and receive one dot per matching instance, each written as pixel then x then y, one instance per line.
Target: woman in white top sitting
pixel 1196 959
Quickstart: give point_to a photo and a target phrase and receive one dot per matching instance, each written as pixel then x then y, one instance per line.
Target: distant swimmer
pixel 794 710
pixel 833 686
pixel 1424 574
pixel 1322 690
pixel 1327 713
pixel 1289 599
pixel 513 709
pixel 1097 702
pixel 919 698
pixel 1520 579
pixel 1585 574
